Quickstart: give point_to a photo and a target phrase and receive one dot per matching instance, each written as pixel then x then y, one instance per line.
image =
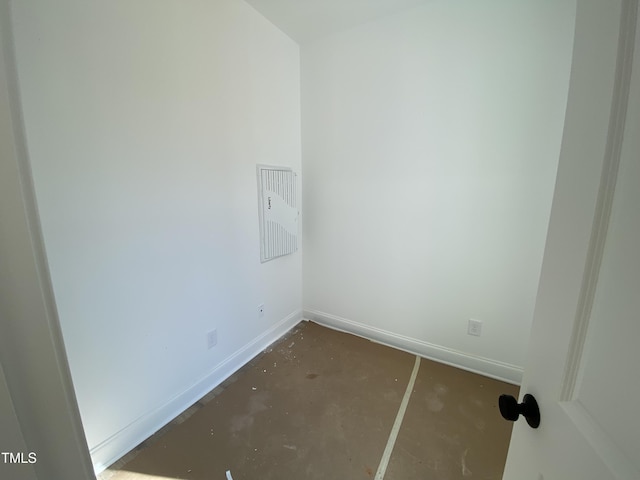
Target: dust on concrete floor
pixel 320 404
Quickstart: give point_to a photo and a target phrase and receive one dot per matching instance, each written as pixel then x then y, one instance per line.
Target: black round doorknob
pixel 510 409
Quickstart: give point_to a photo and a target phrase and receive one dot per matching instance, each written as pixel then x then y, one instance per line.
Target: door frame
pixel 32 350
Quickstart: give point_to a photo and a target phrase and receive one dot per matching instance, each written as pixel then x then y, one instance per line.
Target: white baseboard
pixel 125 440
pixel 473 363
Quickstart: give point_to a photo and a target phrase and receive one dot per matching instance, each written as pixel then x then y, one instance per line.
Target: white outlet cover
pixel 212 339
pixel 475 327
pixel 261 310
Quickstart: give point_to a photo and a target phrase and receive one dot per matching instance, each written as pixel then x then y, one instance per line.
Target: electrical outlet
pixel 261 310
pixel 474 327
pixel 212 339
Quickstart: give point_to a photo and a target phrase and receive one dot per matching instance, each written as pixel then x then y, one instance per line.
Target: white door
pixel 583 364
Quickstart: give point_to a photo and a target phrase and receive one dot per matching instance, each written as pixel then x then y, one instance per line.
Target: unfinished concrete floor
pixel 321 404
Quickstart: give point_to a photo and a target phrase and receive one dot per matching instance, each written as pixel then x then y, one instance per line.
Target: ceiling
pixel 306 20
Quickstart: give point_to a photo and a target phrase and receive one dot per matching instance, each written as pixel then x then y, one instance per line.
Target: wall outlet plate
pixel 261 310
pixel 212 338
pixel 474 327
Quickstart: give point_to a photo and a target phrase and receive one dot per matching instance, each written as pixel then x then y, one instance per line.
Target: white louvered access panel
pixel 278 211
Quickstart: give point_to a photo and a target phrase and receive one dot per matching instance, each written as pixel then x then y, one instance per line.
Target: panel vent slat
pixel 278 211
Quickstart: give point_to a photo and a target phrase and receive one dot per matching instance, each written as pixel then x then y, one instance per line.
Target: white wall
pixel 430 147
pixel 38 409
pixel 144 123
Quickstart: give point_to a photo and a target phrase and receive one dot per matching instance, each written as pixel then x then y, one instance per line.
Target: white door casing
pixel 583 358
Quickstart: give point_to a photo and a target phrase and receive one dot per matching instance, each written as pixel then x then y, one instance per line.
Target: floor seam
pixel 386 455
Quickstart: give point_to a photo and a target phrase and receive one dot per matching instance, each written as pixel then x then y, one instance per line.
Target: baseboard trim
pixel 129 437
pixel 473 363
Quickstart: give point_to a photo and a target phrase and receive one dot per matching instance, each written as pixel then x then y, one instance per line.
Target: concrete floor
pixel 320 404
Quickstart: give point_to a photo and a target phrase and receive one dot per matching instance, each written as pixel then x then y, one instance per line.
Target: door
pixel 583 359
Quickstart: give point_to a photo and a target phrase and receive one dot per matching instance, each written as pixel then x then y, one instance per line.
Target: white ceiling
pixel 305 20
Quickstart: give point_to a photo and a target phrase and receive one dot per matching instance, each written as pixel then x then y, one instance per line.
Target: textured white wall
pixel 144 122
pixel 430 146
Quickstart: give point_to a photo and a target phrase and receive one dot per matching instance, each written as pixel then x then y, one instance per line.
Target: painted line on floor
pixel 384 461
